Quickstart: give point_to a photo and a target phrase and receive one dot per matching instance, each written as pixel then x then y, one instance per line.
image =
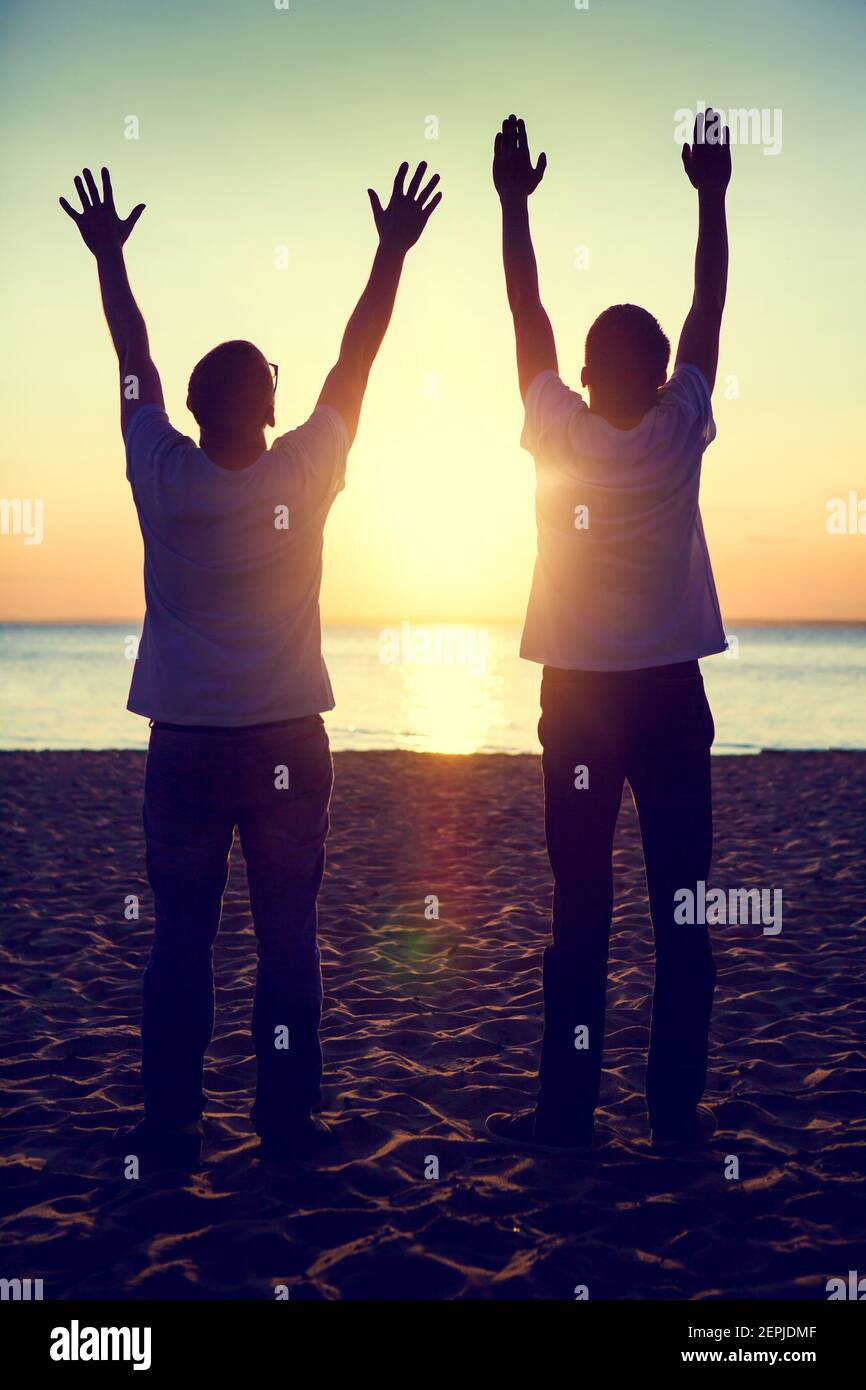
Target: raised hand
pixel 707 161
pixel 102 230
pixel 513 173
pixel 401 223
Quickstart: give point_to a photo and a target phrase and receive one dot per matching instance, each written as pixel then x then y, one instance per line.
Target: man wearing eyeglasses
pixel 230 674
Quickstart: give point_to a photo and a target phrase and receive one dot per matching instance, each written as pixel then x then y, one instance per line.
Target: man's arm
pixel 708 165
pixel 515 179
pixel 399 225
pixel 104 233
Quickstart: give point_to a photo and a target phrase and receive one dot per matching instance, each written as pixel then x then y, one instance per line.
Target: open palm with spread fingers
pixel 104 233
pixel 98 222
pixel 401 223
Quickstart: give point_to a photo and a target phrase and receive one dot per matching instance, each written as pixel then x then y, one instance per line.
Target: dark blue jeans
pixel 199 785
pixel 653 728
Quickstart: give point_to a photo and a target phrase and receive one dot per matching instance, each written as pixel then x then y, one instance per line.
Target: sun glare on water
pixel 449 694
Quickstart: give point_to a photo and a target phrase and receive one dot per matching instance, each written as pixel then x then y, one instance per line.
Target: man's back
pixel 232 569
pixel 622 579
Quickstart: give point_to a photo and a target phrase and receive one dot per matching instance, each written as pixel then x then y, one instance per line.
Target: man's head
pixel 231 391
pixel 626 358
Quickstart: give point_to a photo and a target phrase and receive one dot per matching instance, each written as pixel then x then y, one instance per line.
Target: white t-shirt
pixel 232 569
pixel 622 575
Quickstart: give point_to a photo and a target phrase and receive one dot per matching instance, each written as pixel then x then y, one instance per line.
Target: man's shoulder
pixel 687 384
pixel 150 437
pixel 687 399
pixel 549 405
pixel 324 430
pixel 152 421
pixel 549 388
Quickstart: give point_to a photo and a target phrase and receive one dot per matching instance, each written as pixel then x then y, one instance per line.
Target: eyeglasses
pixel 276 371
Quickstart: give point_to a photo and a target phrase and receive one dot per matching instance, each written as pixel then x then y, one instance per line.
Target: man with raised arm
pixel 230 674
pixel 622 606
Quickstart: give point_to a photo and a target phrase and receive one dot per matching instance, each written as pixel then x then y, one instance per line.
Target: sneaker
pixel 522 1130
pixel 688 1133
pixel 161 1146
pixel 306 1139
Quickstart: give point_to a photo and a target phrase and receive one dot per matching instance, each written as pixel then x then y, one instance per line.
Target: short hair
pixel 626 350
pixel 231 389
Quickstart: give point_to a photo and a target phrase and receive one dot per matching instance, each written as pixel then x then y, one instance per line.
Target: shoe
pixel 161 1146
pixel 306 1139
pixel 688 1133
pixel 521 1130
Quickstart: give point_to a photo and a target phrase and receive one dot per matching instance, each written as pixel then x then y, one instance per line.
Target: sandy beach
pixel 429 1025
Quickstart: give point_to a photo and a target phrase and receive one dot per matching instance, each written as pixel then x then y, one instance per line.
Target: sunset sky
pixel 262 127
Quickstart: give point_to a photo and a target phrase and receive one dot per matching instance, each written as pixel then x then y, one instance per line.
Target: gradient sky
pixel 260 128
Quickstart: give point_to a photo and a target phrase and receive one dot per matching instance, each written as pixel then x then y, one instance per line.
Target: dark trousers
pixel 653 728
pixel 199 785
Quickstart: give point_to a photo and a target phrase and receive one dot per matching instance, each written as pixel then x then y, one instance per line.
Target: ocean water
pixel 442 688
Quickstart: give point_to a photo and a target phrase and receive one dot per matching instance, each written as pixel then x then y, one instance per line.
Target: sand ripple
pixel 429 1026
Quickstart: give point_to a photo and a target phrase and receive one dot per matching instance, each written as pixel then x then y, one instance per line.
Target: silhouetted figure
pixel 622 606
pixel 231 675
